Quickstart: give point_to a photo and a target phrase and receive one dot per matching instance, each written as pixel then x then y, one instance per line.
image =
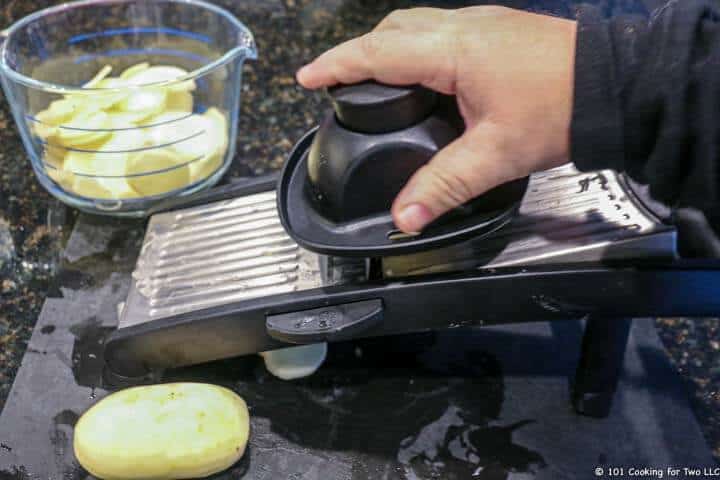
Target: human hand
pixel 511 72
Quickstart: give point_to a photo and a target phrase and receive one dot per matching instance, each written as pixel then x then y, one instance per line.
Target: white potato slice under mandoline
pixel 295 362
pixel 163 432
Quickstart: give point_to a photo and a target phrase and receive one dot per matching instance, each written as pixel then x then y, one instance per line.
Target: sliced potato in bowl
pixel 157 171
pixel 217 138
pixel 173 147
pixel 110 163
pixel 85 129
pixel 99 77
pixel 179 102
pixel 134 70
pixel 144 103
pixel 161 74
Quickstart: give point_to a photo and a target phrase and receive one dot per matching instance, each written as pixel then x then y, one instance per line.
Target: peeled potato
pixel 295 362
pixel 170 174
pixel 158 432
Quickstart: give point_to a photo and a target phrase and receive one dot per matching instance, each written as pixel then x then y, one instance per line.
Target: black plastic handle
pixel 326 324
pixel 372 107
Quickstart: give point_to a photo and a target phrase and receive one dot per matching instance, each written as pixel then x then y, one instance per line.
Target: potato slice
pixel 179 102
pixel 99 77
pixel 89 187
pixel 217 138
pixel 161 74
pixel 186 135
pixel 144 103
pixel 79 176
pixel 54 156
pixel 112 161
pixel 168 431
pixel 171 174
pixel 84 129
pixel 134 70
pixel 106 100
pixel 295 362
pixel 57 113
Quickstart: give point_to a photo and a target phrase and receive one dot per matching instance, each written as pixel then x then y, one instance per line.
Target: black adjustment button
pixel 331 323
pixel 371 107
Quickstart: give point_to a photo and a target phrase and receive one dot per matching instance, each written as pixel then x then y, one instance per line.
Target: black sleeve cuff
pixel 596 132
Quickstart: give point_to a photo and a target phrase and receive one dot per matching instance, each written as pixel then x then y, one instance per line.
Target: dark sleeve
pixel 647 100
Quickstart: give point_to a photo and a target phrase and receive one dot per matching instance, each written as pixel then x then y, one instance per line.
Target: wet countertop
pixel 34 228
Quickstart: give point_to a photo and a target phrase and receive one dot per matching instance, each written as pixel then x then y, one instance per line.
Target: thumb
pixel 464 169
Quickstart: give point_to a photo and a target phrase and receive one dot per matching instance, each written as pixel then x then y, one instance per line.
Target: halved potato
pixel 159 432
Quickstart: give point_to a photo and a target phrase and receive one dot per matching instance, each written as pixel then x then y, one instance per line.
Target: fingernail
pixel 414 217
pixel 302 73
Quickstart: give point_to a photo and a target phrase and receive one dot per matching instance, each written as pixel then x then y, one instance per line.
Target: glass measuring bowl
pixel 104 162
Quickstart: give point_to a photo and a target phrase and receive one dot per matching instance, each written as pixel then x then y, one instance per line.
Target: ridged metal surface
pixel 215 254
pixel 565 217
pixel 233 250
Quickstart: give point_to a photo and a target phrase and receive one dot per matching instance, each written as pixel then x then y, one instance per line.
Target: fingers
pixel 466 168
pixel 414 19
pixel 396 57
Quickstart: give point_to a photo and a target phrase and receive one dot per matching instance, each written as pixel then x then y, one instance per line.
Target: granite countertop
pixel 275 112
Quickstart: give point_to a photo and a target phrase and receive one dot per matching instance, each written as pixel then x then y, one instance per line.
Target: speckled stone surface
pixel 275 112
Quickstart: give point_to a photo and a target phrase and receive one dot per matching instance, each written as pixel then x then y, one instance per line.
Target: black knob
pixel 371 107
